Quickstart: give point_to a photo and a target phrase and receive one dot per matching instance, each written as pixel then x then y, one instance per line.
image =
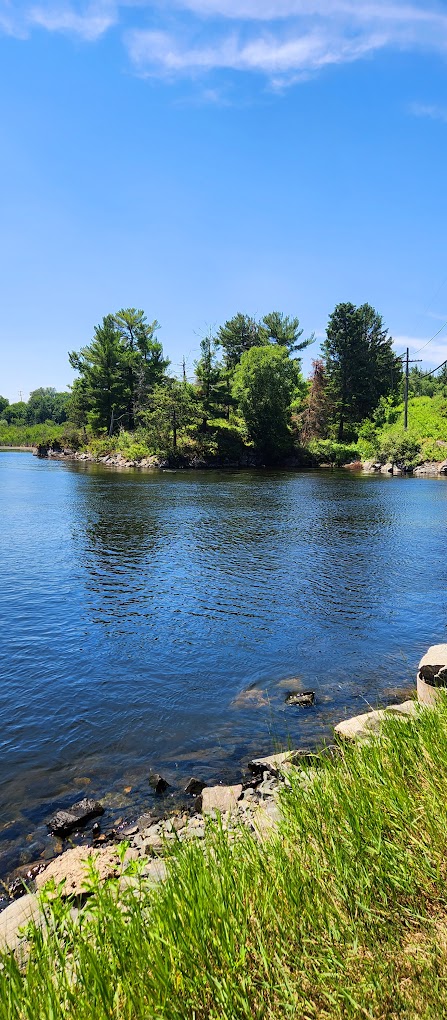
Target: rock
pixel 63 822
pixel 220 798
pixel 431 674
pixel 442 467
pixel 304 698
pixel 71 868
pixel 430 468
pixel 130 830
pixel 386 469
pixel 15 917
pixel 371 466
pixel 367 725
pixel 276 764
pixel 158 783
pixel 96 830
pixel 194 787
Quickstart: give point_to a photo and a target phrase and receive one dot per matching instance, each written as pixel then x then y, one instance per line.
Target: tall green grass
pixel 343 914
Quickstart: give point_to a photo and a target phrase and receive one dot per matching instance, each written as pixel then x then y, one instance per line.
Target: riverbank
pixel 340 912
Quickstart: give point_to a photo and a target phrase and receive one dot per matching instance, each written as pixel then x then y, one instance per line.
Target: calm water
pixel 151 621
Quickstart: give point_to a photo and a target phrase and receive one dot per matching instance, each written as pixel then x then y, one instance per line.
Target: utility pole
pixel 407 373
pixel 184 369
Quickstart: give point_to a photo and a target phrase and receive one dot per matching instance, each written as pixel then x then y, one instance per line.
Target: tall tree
pixel 315 416
pixel 210 378
pixel 360 363
pixel 281 329
pixel 264 385
pixel 237 335
pixel 102 391
pixel 143 360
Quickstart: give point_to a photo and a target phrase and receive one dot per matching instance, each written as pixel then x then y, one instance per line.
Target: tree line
pixel 248 384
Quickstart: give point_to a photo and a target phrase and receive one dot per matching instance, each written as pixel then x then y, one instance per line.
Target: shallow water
pixel 153 621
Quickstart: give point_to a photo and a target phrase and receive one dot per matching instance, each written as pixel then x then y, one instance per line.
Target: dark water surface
pixel 149 621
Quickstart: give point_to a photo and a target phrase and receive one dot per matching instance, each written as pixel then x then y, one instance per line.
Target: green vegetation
pixel 341 915
pixel 384 436
pixel 248 403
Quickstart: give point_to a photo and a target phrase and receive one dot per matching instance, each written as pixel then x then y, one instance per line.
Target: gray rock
pixel 367 725
pixel 220 798
pixel 64 822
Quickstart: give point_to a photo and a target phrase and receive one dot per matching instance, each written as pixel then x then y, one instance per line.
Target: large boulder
pixel 432 674
pixel 71 868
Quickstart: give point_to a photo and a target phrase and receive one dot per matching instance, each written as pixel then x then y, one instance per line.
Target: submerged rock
pixel 64 822
pixel 303 698
pixel 158 783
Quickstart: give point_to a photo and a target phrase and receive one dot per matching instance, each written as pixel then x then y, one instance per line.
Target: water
pixel 152 621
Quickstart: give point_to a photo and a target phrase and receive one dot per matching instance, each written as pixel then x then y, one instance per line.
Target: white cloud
pixel 284 40
pixel 270 54
pixel 292 38
pixel 90 23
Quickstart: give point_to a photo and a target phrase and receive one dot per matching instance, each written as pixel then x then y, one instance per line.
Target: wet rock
pixel 303 698
pixel 194 787
pixel 96 830
pixel 64 822
pixel 220 798
pixel 17 888
pixel 157 782
pixel 275 764
pixel 130 830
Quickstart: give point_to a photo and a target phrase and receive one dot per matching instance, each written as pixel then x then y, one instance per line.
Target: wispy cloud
pixel 432 355
pixel 89 23
pixel 433 112
pixel 284 40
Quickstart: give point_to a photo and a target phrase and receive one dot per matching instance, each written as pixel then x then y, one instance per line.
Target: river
pixel 154 620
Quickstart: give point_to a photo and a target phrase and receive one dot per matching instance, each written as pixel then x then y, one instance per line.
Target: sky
pixel 196 158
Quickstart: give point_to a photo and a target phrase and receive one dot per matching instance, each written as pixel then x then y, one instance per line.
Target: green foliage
pixel 386 439
pixel 173 410
pixel 327 451
pixel 340 915
pixel 46 404
pixel 117 371
pixel 30 435
pixel 360 364
pixel 264 385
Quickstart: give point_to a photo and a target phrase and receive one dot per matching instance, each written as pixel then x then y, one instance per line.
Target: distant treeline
pixel 248 391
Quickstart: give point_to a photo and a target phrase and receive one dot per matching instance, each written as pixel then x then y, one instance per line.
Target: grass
pixel 342 915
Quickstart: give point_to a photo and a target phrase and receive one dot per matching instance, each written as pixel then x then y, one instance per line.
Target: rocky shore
pixel 137 857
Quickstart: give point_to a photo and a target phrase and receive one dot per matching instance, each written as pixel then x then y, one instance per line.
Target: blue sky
pixel 201 157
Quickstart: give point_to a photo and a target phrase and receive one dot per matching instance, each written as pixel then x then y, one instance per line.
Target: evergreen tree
pixel 360 363
pixel 143 362
pixel 173 406
pixel 237 335
pixel 279 328
pixel 102 394
pixel 315 417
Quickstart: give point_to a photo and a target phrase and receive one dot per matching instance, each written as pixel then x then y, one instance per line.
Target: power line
pixel 431 338
pixel 426 374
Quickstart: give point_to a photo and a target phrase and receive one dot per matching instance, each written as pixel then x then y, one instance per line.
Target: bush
pixel 326 451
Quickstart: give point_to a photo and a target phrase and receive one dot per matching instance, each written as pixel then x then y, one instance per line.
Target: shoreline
pixel 429 469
